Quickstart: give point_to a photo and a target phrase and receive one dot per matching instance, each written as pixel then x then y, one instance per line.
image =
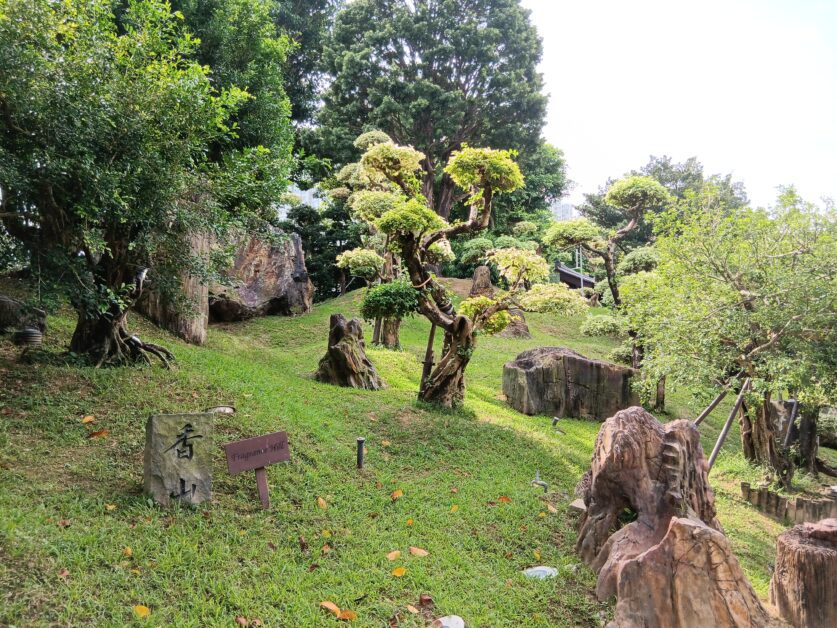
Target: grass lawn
pixel 80 544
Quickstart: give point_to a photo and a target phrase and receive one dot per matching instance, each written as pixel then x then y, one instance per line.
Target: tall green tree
pixel 747 293
pixel 105 130
pixel 436 75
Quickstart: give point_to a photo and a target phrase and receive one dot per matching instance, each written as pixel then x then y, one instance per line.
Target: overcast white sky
pixel 749 87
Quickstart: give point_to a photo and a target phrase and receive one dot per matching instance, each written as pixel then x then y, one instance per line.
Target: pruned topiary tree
pixel 391 302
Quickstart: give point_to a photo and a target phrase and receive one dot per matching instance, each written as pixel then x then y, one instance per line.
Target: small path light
pixel 360 443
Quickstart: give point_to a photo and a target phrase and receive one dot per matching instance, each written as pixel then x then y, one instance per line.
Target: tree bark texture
pixel 758 439
pixel 446 382
pixel 803 584
pixel 808 439
pixel 390 329
pixel 345 362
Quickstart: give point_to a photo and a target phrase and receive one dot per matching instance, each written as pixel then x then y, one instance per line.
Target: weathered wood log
pixel 345 362
pixel 561 382
pixel 803 584
pixel 671 565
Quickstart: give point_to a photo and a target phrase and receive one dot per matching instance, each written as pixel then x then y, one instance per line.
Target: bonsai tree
pixel 633 196
pixel 743 293
pixel 415 232
pixel 391 302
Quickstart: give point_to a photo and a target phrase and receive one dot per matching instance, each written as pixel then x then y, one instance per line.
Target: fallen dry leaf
pixel 412 609
pixel 64 573
pixel 385 443
pixel 326 548
pixel 110 507
pixel 504 500
pixel 141 611
pixel 417 551
pixel 241 620
pixel 454 508
pixel 491 503
pixel 63 523
pixel 127 552
pixel 256 622
pixel 396 494
pixel 399 571
pixel 453 489
pixel 322 503
pixel 347 615
pixel 271 546
pixel 551 508
pixel 98 434
pixel 303 544
pixel 379 485
pixel 393 555
pixel 425 600
pixel 89 419
pixel 409 522
pixel 313 567
pixel 331 607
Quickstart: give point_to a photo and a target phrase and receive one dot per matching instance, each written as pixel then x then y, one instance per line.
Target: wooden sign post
pixel 255 454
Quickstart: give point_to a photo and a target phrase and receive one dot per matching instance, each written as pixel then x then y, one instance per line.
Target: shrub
pixel 512 262
pixel 506 242
pixel 525 229
pixel 621 354
pixel 397 299
pixel 643 259
pixel 361 263
pixel 603 325
pixel 440 253
pixel 477 305
pixel 554 298
pixel 475 250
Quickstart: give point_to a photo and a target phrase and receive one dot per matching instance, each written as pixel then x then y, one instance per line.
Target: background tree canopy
pixel 435 74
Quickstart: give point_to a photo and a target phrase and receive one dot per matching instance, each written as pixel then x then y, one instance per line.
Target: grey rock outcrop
pixel 561 382
pixel 267 278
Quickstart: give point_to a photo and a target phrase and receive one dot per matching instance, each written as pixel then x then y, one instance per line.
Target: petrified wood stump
pixel 481 287
pixel 804 583
pixel 561 382
pixel 517 328
pixel 345 362
pixel 671 565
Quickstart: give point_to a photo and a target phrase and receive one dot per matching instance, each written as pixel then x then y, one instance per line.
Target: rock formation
pixel 561 382
pixel 267 278
pixel 482 283
pixel 517 328
pixel 15 315
pixel 803 583
pixel 345 362
pixel 670 564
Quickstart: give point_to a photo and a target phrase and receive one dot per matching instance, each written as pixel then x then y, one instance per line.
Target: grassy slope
pixel 230 558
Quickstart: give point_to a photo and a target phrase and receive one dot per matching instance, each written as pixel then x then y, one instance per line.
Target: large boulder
pixel 671 566
pixel 561 382
pixel 15 315
pixel 267 278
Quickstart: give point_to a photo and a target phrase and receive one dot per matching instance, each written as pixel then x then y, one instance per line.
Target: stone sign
pixel 254 454
pixel 178 458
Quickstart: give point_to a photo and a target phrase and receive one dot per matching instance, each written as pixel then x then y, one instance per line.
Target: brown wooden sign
pixel 255 454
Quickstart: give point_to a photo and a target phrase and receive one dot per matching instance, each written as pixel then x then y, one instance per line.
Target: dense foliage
pixel 396 299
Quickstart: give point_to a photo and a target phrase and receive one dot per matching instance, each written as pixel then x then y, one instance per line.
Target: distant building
pixel 563 211
pixel 573 278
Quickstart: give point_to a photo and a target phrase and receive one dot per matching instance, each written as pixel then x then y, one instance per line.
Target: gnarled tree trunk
pixel 106 340
pixel 758 439
pixel 446 383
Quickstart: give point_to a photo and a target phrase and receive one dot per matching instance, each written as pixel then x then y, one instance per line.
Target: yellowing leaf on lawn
pixel 326 534
pixel 110 507
pixel 136 572
pixel 331 607
pixel 88 419
pixel 141 611
pixel 541 514
pixel 412 609
pixel 417 551
pixel 322 503
pixel 396 494
pixel 537 554
pixel 98 434
pixel 386 443
pixel 409 522
pixel 128 552
pixel 347 615
pixel 454 508
pixel 399 571
pixel 551 508
pixel 393 554
pixel 504 500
